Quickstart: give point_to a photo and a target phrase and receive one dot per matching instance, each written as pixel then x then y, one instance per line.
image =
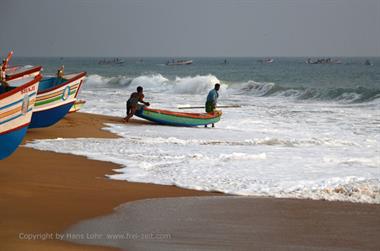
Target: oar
pixel 199 107
pixel 10 54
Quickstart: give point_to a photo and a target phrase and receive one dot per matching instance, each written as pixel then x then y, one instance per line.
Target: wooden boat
pixel 179 62
pixel 266 60
pixel 16 107
pixel 55 98
pixel 165 117
pixel 77 106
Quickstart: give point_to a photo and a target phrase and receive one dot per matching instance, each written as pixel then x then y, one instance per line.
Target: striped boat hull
pixel 16 108
pixel 165 117
pixel 55 100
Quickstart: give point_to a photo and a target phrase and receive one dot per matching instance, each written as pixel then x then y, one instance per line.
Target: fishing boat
pixel 166 117
pixel 179 62
pixel 77 106
pixel 16 107
pixel 266 60
pixel 55 98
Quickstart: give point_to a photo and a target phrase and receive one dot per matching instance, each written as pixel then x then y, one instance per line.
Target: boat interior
pixel 51 82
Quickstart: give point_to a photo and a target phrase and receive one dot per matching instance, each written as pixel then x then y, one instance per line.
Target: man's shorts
pixel 210 107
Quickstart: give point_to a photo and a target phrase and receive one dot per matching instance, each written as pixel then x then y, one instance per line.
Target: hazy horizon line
pixel 189 57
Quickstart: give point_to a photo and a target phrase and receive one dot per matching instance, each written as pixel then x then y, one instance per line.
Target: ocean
pixel 309 131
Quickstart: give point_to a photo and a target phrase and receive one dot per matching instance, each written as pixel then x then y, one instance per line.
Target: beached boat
pixel 77 106
pixel 165 117
pixel 16 107
pixel 55 98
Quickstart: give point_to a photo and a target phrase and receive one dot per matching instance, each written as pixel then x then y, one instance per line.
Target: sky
pixel 174 28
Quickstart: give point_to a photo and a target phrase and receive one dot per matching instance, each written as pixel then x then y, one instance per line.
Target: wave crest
pixel 343 95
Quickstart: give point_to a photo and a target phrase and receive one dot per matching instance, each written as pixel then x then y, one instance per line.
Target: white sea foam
pixel 224 160
pixel 273 145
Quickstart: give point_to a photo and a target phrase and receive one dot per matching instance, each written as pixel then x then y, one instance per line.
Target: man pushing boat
pixel 133 101
pixel 212 99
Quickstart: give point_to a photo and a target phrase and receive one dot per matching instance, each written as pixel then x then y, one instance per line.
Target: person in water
pixel 133 101
pixel 212 99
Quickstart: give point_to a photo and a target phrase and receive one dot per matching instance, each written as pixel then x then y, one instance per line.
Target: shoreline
pixel 58 191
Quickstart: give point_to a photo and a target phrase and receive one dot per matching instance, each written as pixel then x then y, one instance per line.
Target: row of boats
pixel 32 100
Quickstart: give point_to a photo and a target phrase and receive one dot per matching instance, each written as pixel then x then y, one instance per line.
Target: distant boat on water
pixel 179 62
pixel 323 61
pixel 266 60
pixel 115 61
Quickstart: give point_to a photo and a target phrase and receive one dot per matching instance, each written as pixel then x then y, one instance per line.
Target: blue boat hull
pixel 10 141
pixel 49 117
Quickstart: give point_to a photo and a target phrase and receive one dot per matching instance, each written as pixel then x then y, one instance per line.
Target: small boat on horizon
pixel 16 108
pixel 55 98
pixel 179 62
pixel 115 61
pixel 266 60
pixel 323 61
pixel 165 117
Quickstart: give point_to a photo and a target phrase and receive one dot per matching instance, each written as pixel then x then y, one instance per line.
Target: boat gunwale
pixel 22 87
pixel 76 77
pixel 23 73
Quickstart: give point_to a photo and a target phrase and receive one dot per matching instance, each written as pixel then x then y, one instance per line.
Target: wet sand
pixel 235 223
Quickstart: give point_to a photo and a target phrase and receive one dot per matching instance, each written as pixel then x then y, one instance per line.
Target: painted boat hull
pixel 49 117
pixel 164 117
pixel 16 108
pixel 55 99
pixel 13 139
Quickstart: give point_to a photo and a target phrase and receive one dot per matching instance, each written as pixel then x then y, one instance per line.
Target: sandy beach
pixel 44 193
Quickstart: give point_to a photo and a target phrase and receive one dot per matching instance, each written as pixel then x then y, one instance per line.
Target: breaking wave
pixel 200 84
pixel 156 82
pixel 344 95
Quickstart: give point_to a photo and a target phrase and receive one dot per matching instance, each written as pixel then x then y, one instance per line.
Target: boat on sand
pixel 55 98
pixel 165 117
pixel 16 107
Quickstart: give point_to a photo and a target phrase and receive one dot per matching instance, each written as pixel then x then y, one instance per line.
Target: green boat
pixel 165 117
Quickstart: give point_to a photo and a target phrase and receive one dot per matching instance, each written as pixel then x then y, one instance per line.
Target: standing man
pixel 212 99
